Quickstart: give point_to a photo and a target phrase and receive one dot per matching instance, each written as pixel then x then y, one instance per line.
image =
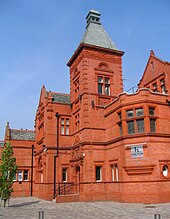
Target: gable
pixel 43 96
pixel 155 68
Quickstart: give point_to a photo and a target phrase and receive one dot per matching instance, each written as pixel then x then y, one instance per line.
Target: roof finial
pixel 152 52
pixel 93 16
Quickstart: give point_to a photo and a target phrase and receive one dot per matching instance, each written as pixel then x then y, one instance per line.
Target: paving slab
pixel 33 208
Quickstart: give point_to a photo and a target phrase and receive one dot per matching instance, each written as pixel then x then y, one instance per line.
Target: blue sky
pixel 38 37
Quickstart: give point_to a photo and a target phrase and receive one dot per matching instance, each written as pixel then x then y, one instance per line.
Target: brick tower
pixel 95 78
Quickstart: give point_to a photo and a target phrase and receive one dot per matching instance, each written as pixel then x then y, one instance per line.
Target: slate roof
pixel 95 33
pixel 61 98
pixel 24 135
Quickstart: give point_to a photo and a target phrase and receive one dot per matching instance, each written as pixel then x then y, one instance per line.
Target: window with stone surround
pixel 120 123
pixel 25 175
pixel 21 175
pixel 151 111
pixel 115 173
pixel 135 120
pixel 62 126
pixel 76 87
pixel 67 126
pixel 98 173
pixel 153 125
pixel 103 85
pixel 152 119
pixel 64 174
pixel 64 130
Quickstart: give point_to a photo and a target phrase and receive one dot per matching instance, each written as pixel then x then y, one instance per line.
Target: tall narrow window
pixel 25 175
pixel 163 87
pixel 115 173
pixel 41 177
pixel 140 122
pixel 131 127
pixel 76 87
pixel 67 126
pixel 19 175
pixel 98 173
pixel 104 85
pixel 64 174
pixel 155 89
pixel 107 86
pixel 151 111
pixel 140 125
pixel 62 126
pixel 153 125
pixel 100 85
pixel 120 123
pixel 152 119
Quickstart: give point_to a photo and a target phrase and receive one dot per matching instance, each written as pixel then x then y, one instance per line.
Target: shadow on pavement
pixel 24 204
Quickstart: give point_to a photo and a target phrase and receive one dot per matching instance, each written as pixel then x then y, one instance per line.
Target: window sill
pixel 104 96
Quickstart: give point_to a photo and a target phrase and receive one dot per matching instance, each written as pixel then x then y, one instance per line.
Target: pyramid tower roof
pixel 95 34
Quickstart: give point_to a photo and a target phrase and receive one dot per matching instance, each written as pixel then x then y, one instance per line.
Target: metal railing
pixel 132 90
pixel 65 188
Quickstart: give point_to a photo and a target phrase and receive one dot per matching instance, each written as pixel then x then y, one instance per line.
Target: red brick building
pixel 98 142
pixel 22 142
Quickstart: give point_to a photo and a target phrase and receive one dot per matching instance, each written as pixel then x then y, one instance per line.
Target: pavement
pixel 34 208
